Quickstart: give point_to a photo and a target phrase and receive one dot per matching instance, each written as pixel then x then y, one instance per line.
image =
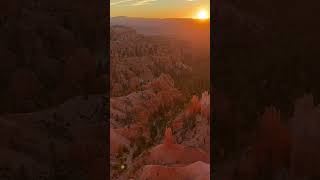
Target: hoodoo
pixel 168 141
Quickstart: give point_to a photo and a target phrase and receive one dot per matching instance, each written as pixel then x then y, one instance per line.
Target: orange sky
pixel 158 8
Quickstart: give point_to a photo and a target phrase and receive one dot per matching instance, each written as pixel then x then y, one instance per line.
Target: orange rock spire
pixel 168 137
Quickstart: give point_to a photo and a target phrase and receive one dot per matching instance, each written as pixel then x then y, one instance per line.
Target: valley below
pixel 159 106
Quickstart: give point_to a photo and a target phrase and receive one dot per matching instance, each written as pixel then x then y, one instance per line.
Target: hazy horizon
pixel 137 17
pixel 161 9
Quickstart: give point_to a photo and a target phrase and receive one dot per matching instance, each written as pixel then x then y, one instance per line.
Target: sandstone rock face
pixel 170 159
pixel 196 171
pixel 176 154
pixel 195 118
pixel 195 141
pixel 168 141
pixel 117 141
pixel 136 59
pixel 144 106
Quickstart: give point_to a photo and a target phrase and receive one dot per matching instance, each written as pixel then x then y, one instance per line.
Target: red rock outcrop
pixel 136 59
pixel 144 101
pixel 197 171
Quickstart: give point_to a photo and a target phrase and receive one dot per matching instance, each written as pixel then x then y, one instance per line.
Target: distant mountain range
pixel 192 30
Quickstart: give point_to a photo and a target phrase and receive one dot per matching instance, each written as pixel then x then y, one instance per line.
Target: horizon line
pixel 158 18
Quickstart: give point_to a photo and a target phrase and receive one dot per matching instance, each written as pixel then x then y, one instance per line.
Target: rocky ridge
pixel 152 131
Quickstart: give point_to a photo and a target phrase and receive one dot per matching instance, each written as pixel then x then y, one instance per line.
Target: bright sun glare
pixel 202 14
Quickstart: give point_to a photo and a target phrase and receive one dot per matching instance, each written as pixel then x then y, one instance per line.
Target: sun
pixel 202 14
